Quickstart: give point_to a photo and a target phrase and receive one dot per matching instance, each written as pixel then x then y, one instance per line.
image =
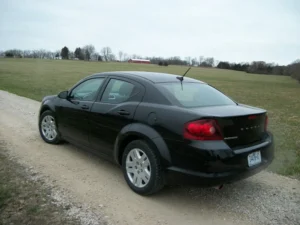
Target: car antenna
pixel 181 78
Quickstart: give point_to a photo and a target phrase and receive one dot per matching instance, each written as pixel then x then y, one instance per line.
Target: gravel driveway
pixel 98 188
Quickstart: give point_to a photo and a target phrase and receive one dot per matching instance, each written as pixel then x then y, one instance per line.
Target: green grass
pixel 278 94
pixel 4 195
pixel 24 201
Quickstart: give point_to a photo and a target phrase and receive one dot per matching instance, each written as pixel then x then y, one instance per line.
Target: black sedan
pixel 160 128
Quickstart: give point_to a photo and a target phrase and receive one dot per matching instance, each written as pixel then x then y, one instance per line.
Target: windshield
pixel 192 95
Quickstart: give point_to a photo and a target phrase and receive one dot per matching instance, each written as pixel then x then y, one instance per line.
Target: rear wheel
pixel 142 168
pixel 48 128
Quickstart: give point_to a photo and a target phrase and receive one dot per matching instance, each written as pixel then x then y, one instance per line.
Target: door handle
pixel 123 113
pixel 85 107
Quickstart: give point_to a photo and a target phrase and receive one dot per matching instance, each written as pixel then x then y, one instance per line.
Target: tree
pixel 14 53
pixel 188 60
pixel 41 53
pixel 120 55
pixel 52 55
pixel 64 53
pixel 135 56
pixel 260 67
pixel 106 52
pixel 100 58
pixel 27 54
pixel 57 54
pixel 79 54
pixel 207 62
pixel 194 62
pixel 210 61
pixel 223 65
pixel 9 54
pixel 201 58
pixel 87 54
pixel 88 50
pixel 294 70
pixel 125 57
pixel 71 55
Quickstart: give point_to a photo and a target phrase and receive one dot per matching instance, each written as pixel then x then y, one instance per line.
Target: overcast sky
pixel 231 30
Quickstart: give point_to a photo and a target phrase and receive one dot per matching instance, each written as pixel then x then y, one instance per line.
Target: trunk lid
pixel 240 124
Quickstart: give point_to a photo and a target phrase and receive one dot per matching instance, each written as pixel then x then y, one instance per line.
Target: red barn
pixel 145 61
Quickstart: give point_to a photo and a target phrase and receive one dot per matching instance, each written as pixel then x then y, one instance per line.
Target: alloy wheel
pixel 48 128
pixel 138 167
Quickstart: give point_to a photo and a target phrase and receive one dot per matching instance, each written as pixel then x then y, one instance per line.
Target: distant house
pixel 145 61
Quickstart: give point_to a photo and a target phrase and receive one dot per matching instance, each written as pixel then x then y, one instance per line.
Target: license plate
pixel 254 158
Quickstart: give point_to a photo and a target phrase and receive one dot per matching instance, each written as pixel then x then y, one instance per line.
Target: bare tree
pixel 188 60
pixel 106 52
pixel 48 55
pixel 295 70
pixel 52 55
pixel 112 57
pixel 216 63
pixel 35 54
pixel 207 62
pixel 88 50
pixel 125 57
pixel 95 56
pixel 57 53
pixel 41 53
pixel 71 55
pixel 194 62
pixel 120 55
pixel 27 54
pixel 135 56
pixel 201 59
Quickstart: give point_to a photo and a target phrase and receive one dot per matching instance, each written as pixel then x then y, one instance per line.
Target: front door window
pixel 87 91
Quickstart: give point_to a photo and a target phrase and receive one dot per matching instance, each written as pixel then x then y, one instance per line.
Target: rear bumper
pixel 225 169
pixel 177 175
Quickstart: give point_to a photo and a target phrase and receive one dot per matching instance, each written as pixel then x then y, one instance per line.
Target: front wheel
pixel 48 128
pixel 142 168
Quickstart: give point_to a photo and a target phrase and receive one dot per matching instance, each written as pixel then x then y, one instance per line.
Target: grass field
pixel 279 95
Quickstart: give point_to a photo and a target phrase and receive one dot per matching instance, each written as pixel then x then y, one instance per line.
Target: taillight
pixel 266 122
pixel 202 130
pixel 252 117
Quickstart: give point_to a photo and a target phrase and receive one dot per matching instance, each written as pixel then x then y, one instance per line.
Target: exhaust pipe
pixel 219 187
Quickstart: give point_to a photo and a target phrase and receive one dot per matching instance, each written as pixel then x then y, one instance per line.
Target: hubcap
pixel 48 128
pixel 138 168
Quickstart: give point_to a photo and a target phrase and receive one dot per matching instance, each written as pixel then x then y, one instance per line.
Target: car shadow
pixel 186 194
pixel 251 196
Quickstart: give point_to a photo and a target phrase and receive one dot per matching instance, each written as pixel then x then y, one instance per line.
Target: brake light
pixel 202 130
pixel 266 122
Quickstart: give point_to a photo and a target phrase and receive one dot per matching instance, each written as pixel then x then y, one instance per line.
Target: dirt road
pixel 98 186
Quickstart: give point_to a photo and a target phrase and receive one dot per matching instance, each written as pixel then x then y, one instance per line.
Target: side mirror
pixel 63 95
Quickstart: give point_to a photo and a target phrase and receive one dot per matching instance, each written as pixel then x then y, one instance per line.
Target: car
pixel 160 129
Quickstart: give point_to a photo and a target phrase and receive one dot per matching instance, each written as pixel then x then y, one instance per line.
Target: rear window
pixel 192 95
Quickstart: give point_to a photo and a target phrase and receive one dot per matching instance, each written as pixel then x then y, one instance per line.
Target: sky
pixel 228 30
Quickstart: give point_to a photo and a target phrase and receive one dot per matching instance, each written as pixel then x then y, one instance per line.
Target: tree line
pixel 89 53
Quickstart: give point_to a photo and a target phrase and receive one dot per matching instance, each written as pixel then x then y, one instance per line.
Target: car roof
pixel 154 77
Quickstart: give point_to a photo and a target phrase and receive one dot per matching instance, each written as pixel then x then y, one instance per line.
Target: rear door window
pixel 118 91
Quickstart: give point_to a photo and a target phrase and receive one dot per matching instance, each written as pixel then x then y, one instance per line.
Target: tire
pixel 156 180
pixel 54 139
